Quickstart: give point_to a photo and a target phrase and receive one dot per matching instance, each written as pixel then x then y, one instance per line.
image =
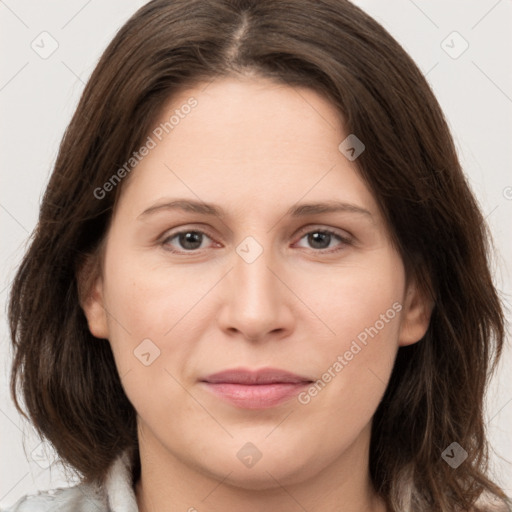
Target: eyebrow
pixel 301 210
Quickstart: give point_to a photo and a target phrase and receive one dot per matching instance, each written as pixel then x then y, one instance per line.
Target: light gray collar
pixel 118 486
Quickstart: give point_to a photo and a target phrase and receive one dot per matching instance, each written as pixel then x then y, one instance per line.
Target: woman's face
pixel 271 283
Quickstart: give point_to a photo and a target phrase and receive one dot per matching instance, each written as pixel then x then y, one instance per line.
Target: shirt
pixel 116 495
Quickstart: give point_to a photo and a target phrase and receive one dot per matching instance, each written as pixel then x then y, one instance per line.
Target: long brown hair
pixel 68 379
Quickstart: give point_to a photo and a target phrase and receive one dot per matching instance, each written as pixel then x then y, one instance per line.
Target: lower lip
pixel 256 396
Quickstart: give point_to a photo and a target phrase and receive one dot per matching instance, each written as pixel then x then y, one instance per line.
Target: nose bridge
pixel 255 302
pixel 252 275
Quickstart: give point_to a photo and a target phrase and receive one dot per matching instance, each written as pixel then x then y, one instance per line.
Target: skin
pixel 255 148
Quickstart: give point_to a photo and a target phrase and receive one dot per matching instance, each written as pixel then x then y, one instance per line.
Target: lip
pixel 255 389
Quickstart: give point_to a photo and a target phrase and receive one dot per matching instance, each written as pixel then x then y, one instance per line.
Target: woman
pixel 259 280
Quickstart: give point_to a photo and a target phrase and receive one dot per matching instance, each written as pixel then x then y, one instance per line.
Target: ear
pixel 90 289
pixel 416 315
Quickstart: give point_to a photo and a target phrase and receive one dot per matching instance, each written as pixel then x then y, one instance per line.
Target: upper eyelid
pixel 170 233
pixel 305 229
pixel 318 227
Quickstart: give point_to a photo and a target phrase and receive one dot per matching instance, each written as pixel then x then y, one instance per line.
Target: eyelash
pixel 343 239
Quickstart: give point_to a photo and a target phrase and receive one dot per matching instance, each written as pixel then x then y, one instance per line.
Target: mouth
pixel 255 389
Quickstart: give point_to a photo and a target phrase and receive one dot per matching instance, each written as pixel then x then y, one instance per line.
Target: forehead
pixel 252 115
pixel 248 143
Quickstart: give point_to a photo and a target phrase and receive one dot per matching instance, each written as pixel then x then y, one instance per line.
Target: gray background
pixel 38 96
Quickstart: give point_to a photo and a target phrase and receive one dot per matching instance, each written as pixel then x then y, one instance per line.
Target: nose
pixel 257 303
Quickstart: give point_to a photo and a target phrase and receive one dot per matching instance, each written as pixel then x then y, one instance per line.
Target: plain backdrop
pixel 463 48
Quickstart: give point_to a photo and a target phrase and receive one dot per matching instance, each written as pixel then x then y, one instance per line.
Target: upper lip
pixel 261 376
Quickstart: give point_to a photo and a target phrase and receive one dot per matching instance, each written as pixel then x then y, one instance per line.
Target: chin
pixel 264 475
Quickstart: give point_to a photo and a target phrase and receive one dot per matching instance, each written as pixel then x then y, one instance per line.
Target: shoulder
pixel 491 503
pixel 114 494
pixel 79 498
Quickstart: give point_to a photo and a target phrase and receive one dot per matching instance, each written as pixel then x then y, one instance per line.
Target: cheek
pixel 148 302
pixel 151 317
pixel 364 302
pixel 363 307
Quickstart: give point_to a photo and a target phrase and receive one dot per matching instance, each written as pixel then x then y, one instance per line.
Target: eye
pixel 321 239
pixel 189 240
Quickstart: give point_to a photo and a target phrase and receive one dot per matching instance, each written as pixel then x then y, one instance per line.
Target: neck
pixel 168 484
